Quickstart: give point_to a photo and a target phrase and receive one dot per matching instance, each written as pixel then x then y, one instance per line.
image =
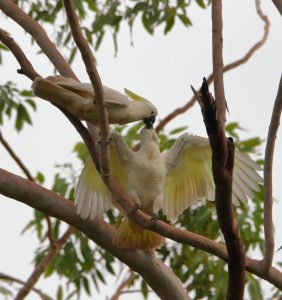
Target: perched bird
pixel 171 181
pixel 78 98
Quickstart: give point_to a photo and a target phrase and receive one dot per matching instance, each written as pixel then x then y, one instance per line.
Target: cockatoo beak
pixel 149 122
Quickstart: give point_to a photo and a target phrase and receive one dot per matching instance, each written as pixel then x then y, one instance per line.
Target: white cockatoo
pixel 171 181
pixel 78 99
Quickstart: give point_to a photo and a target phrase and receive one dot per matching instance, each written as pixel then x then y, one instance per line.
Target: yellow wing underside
pixel 189 181
pixel 92 197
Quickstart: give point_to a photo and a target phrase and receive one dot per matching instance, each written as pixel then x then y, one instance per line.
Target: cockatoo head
pixel 149 135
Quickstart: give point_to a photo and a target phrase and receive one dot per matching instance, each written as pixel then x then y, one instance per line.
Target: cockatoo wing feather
pixel 189 175
pixel 92 197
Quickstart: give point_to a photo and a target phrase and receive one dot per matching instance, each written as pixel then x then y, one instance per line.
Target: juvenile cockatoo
pixel 173 181
pixel 78 99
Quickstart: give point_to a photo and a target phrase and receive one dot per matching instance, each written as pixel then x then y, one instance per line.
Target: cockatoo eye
pixel 152 112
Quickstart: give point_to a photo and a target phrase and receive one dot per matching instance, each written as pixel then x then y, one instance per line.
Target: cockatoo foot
pixel 154 217
pixel 108 142
pixel 135 207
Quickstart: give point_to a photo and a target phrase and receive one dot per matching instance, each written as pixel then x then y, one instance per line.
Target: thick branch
pixel 226 68
pixel 222 166
pixel 39 34
pixel 10 279
pixel 102 233
pixel 278 4
pixel 268 200
pixel 157 275
pixel 40 268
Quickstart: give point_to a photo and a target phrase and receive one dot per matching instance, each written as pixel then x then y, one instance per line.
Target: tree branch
pixel 217 45
pixel 39 34
pixel 102 233
pixel 125 283
pixel 268 200
pixel 15 157
pixel 95 79
pixel 26 66
pixel 222 167
pixel 9 278
pixel 40 268
pixel 226 68
pixel 278 4
pixel 157 275
pixel 29 176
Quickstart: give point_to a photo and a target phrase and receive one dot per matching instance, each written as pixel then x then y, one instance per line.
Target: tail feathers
pixel 131 236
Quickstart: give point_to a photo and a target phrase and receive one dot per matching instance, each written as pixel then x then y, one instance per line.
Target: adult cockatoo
pixel 173 181
pixel 78 99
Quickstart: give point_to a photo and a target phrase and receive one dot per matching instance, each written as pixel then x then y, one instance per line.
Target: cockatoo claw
pixel 135 207
pixel 108 142
pixel 154 217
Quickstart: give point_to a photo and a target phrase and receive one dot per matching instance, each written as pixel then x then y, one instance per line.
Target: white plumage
pixel 78 99
pixel 173 180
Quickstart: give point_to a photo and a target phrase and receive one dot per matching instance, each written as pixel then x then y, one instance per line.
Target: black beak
pixel 149 122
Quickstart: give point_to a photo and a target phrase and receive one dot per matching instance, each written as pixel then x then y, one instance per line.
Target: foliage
pixel 108 16
pixel 14 101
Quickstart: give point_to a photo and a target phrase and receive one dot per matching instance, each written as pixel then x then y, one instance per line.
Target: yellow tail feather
pixel 131 236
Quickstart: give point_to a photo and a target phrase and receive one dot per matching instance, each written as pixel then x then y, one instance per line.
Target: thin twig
pixel 26 66
pixel 15 157
pixel 125 283
pixel 27 173
pixel 54 250
pixel 39 34
pixel 268 200
pixel 95 79
pixel 9 278
pixel 217 59
pixel 226 68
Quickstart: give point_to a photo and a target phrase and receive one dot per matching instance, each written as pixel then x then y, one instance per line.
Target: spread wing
pixel 189 175
pixel 92 197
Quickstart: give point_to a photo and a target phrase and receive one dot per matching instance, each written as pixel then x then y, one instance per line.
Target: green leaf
pixel 26 93
pixel 31 103
pixel 60 186
pixel 22 117
pixel 81 151
pixel 185 20
pixel 40 178
pixel 3 47
pixel 178 130
pixel 86 285
pixel 60 293
pixel 147 24
pixel 201 3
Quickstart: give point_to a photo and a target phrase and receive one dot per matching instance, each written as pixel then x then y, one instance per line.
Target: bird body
pixel 171 181
pixel 78 98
